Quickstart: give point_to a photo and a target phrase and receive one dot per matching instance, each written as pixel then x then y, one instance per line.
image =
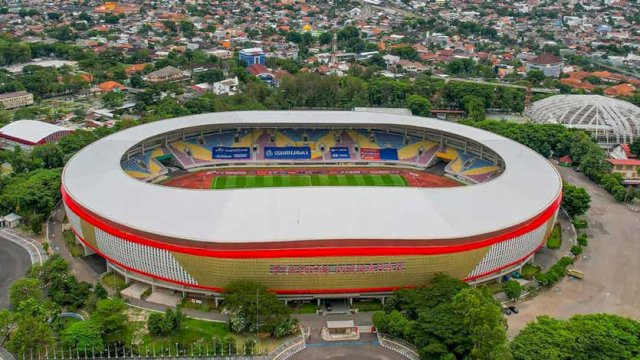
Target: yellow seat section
pixel 153 165
pixel 249 139
pixel 282 139
pixel 197 151
pixel 362 140
pixel 328 140
pixel 481 170
pixel 136 174
pixel 411 150
pixel 456 165
pixel 448 154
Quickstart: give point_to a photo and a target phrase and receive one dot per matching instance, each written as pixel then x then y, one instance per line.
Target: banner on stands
pixel 340 153
pixel 224 152
pixel 287 152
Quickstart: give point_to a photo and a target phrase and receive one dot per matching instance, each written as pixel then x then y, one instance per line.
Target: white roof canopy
pixel 95 180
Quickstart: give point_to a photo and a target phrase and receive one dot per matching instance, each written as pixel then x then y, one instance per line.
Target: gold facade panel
pixel 89 233
pixel 417 270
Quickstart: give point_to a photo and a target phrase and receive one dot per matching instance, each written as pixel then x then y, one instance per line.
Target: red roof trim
pixel 315 252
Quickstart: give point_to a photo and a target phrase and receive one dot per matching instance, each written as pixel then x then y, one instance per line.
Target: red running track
pixel 414 178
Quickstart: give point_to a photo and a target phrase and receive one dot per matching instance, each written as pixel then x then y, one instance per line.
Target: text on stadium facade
pixel 336 269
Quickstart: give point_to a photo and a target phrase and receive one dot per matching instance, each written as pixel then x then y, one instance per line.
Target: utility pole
pixel 257 317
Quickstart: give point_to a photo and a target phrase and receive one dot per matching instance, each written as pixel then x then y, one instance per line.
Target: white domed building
pixel 610 121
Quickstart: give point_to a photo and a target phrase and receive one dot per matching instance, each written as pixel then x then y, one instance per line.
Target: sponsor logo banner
pixel 336 268
pixel 369 154
pixel 340 153
pixel 287 152
pixel 223 152
pixel 389 154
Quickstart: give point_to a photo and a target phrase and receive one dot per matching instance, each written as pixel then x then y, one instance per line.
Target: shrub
pixel 582 240
pixel 576 250
pixel 555 273
pixel 164 324
pixel 512 289
pixel 580 224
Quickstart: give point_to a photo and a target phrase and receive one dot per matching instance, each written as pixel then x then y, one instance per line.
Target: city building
pixel 628 168
pixel 253 56
pixel 29 133
pixel 549 64
pixel 168 73
pixel 15 99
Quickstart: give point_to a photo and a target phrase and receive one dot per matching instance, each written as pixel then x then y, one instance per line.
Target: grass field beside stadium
pixel 254 181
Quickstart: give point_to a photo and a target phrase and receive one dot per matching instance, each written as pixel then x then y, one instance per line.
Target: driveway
pixel 364 349
pixel 611 264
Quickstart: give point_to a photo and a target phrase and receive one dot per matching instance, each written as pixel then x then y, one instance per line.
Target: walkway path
pixel 610 263
pixel 78 266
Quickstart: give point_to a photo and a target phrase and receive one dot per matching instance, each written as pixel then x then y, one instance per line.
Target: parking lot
pixel 611 265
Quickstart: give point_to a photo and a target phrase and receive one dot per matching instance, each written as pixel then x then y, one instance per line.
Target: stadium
pixel 309 203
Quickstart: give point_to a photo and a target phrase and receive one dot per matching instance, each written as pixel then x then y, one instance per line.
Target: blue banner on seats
pixel 389 154
pixel 287 152
pixel 224 152
pixel 340 153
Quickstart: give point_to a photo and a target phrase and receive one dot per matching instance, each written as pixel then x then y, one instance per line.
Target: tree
pixel 24 289
pixel 447 320
pixel 512 289
pixel 419 105
pixel 164 324
pixel 246 299
pixel 113 99
pixel 482 317
pixel 325 38
pixel 209 76
pixel 50 154
pixel 474 106
pixel 109 315
pixel 582 337
pixel 83 335
pixel 535 76
pixel 635 145
pixel 575 200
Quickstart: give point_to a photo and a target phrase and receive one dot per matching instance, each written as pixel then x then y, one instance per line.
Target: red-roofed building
pixel 260 71
pixel 109 86
pixel 620 90
pixel 549 64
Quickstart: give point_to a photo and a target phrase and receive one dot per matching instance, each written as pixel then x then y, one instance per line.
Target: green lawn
pixel 529 271
pixel 555 239
pixel 254 181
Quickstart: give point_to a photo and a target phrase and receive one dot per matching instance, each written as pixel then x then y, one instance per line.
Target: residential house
pixel 168 73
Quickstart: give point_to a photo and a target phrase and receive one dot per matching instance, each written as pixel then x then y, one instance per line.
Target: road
pixel 610 263
pixel 14 263
pixel 364 349
pixel 480 81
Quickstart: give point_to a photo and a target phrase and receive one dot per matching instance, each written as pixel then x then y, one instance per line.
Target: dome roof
pixel 610 121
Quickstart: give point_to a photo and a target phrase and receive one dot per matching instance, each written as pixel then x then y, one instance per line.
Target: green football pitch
pixel 253 181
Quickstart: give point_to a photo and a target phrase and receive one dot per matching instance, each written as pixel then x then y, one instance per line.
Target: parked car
pixel 506 310
pixel 514 309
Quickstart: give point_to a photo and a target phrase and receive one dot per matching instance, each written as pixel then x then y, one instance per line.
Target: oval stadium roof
pixel 94 179
pixel 611 121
